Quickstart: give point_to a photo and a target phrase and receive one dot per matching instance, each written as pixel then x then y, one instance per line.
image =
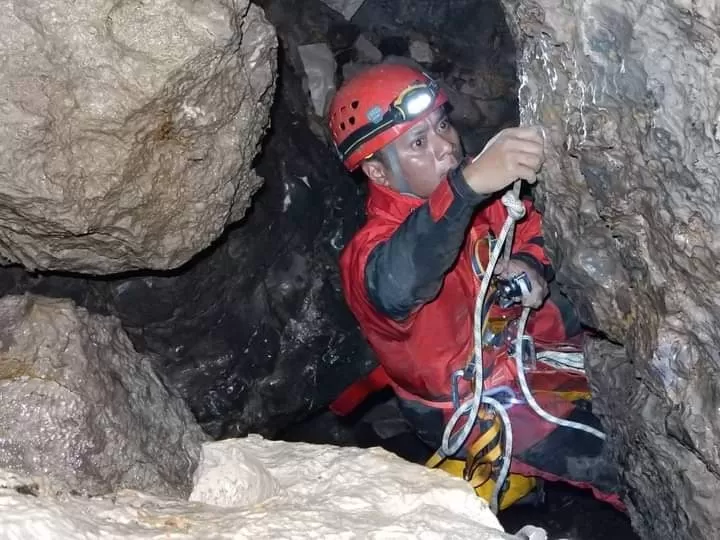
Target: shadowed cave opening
pixel 254 332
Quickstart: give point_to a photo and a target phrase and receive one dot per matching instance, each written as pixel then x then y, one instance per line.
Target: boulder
pixel 129 129
pixel 367 51
pixel 254 333
pixel 319 67
pixel 80 406
pixel 254 488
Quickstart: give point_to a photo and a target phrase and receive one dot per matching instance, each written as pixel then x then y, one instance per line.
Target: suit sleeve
pixel 407 270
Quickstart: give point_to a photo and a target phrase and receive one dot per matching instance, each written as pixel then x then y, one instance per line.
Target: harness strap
pixel 482 455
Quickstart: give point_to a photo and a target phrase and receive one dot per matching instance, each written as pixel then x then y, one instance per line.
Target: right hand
pixel 513 153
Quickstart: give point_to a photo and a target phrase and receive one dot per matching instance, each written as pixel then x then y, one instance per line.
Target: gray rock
pixel 128 130
pixel 319 66
pixel 628 92
pixel 347 8
pixel 421 52
pixel 80 406
pixel 367 51
pixel 254 333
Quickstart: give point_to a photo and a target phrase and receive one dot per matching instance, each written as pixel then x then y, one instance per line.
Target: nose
pixel 444 147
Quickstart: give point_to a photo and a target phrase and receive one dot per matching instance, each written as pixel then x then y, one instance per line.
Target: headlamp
pixel 413 102
pixel 418 103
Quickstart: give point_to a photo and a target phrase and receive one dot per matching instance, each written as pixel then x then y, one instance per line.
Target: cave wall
pixel 253 332
pixel 628 94
pixel 465 44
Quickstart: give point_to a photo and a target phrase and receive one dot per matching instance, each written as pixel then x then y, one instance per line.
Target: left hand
pixel 539 287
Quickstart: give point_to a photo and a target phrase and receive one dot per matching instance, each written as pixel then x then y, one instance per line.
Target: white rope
pixel 516 211
pixel 470 407
pixel 528 394
pixel 514 206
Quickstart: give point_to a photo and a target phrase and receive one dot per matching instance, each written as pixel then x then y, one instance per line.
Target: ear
pixel 376 172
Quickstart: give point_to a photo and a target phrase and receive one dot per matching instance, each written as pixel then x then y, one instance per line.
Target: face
pixel 426 153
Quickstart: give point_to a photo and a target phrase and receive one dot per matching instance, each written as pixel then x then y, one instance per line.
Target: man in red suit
pixel 412 273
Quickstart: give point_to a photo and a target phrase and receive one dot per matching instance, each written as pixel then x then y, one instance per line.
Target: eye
pixel 444 124
pixel 419 142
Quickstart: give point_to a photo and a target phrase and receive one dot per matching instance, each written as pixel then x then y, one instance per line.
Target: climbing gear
pixel 377 106
pixel 478 467
pixel 567 360
pixel 484 453
pixel 511 291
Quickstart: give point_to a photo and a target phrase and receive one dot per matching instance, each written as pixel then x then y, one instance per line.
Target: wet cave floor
pixel 565 513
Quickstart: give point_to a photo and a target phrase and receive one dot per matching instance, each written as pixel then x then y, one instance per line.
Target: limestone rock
pixel 347 8
pixel 128 130
pixel 420 51
pixel 79 405
pixel 254 333
pixel 628 93
pixel 322 492
pixel 319 66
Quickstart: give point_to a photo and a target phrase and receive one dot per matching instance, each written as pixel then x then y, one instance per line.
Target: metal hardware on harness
pixel 529 354
pixel 468 374
pixel 455 387
pixel 512 290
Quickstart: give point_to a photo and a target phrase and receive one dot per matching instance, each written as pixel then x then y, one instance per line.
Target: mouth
pixel 454 162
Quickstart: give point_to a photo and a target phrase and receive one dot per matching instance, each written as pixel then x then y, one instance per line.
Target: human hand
pixel 538 286
pixel 513 153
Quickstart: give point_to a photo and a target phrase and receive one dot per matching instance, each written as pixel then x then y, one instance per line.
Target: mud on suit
pixel 408 278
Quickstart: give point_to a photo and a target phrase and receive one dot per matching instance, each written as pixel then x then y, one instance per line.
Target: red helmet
pixel 377 106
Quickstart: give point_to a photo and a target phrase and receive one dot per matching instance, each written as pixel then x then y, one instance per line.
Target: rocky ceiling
pixel 134 161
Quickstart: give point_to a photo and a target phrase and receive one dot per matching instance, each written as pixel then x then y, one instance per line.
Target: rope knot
pixel 515 207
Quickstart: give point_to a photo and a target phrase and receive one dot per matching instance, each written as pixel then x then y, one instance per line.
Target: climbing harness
pixel 492 450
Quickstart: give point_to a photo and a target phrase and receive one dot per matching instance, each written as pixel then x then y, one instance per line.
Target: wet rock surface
pixel 254 333
pixel 630 198
pixel 464 44
pixel 80 406
pixel 128 130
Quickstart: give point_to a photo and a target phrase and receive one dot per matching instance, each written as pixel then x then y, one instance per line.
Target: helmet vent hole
pixel 342 125
pixel 351 120
pixel 355 104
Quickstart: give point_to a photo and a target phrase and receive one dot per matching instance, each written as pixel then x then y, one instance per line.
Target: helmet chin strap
pixel 399 183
